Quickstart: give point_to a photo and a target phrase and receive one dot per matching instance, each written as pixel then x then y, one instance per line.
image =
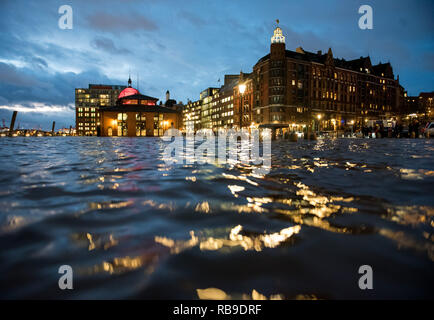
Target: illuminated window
pixel 131 101
pixel 300 85
pixel 122 124
pixel 140 124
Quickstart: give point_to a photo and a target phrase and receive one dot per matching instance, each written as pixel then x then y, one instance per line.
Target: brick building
pixel 288 89
pixel 138 115
pixel 316 89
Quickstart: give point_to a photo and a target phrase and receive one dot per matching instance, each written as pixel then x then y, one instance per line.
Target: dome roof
pixel 128 92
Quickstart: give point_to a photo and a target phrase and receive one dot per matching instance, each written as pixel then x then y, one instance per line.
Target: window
pixel 140 124
pixel 122 124
pixel 158 129
pixel 300 84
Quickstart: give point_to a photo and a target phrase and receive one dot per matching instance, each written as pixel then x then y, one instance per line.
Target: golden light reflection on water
pixel 248 208
pixel 94 242
pixel 413 174
pixel 241 178
pixel 235 189
pixel 13 223
pixel 110 204
pixel 405 241
pixel 218 294
pixel 411 215
pixel 177 246
pixel 234 239
pixel 203 207
pixel 123 265
pixel 159 205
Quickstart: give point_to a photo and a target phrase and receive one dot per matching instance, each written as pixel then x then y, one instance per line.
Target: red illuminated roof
pixel 128 92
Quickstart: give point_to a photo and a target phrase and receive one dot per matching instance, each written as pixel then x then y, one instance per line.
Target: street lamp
pixel 319 118
pixel 242 89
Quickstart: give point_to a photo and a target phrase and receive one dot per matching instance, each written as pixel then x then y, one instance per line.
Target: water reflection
pixel 112 207
pixel 235 238
pixel 218 294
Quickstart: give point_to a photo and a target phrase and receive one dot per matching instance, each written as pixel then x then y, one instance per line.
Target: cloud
pixel 192 18
pixel 39 62
pixel 39 107
pixel 120 22
pixel 108 45
pixel 10 76
pixel 39 115
pixel 18 85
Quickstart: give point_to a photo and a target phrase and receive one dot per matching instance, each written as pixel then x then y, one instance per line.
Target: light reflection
pixel 235 238
pixel 203 207
pixel 240 177
pixel 411 215
pixel 94 242
pixel 110 204
pixel 123 265
pixel 178 245
pixel 162 206
pixel 218 294
pixel 412 174
pixel 405 241
pixel 235 189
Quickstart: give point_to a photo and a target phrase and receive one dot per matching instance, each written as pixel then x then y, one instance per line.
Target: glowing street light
pixel 319 118
pixel 242 89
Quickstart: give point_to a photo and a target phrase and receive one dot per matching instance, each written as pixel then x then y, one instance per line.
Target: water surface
pixel 132 227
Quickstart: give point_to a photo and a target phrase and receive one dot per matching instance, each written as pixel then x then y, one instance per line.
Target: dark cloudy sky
pixel 186 46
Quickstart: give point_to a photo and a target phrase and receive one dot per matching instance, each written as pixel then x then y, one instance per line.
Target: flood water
pixel 131 226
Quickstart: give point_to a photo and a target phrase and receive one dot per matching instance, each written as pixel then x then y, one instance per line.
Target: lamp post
pixel 242 89
pixel 319 118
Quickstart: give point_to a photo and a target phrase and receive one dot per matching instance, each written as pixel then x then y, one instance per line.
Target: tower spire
pixel 278 36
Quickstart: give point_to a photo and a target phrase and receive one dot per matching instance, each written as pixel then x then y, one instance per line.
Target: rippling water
pixel 132 227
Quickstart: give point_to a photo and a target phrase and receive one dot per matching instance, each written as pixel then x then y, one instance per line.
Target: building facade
pixel 87 103
pixel 288 89
pixel 137 115
pixel 222 110
pixel 207 97
pixel 319 90
pixel 214 109
pixel 191 115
